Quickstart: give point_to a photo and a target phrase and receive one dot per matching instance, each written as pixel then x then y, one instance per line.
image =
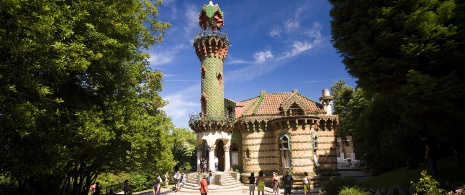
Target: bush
pixel 334 185
pixel 353 191
pixel 427 185
pixel 139 182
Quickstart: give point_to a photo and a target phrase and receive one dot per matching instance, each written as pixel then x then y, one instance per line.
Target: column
pixel 211 157
pixel 227 161
pixel 199 156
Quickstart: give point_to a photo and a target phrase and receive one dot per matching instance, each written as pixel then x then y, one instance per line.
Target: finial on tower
pixel 211 17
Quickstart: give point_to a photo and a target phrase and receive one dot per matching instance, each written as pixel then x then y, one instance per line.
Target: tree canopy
pixel 342 94
pixel 410 52
pixel 77 96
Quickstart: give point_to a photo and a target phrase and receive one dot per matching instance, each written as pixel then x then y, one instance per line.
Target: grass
pixel 449 171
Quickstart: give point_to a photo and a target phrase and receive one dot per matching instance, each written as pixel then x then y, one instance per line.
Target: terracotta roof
pixel 269 104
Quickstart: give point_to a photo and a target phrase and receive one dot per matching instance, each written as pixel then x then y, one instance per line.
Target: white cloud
pixel 298 47
pixel 192 22
pixel 180 105
pixel 236 61
pixel 275 32
pixel 160 58
pixel 291 26
pixel 262 56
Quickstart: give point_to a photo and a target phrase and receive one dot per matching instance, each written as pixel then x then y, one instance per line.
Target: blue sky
pixel 276 46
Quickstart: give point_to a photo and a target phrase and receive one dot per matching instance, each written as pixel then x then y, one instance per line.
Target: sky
pixel 276 46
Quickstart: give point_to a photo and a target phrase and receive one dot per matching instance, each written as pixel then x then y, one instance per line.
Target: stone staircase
pixel 221 182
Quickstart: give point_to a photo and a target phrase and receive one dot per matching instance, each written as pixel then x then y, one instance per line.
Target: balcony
pixel 211 123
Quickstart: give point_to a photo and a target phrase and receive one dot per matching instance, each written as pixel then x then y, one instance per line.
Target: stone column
pixel 227 163
pixel 199 156
pixel 211 157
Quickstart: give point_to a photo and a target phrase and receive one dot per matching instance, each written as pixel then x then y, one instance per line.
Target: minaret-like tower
pixel 211 47
pixel 212 125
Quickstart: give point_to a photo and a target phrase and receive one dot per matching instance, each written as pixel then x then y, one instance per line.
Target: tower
pixel 211 47
pixel 212 126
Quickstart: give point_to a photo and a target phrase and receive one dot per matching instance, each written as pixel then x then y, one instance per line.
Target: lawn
pixel 450 171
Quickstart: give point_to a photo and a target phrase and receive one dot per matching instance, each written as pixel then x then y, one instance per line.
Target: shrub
pixel 353 191
pixel 139 182
pixel 427 185
pixel 334 185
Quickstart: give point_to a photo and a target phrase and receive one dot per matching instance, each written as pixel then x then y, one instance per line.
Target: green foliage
pixel 139 182
pixel 410 52
pixel 183 148
pixel 342 93
pixel 427 185
pixel 77 96
pixel 385 142
pixel 334 185
pixel 353 191
pixel 186 167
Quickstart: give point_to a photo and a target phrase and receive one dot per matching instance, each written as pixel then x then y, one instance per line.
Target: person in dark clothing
pixel 431 152
pixel 287 182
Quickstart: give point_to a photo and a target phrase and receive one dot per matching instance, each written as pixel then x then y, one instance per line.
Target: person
pixel 287 182
pixel 216 163
pixel 184 179
pixel 202 162
pixel 92 188
pixel 205 166
pixel 306 181
pixel 98 188
pixel 430 155
pixel 210 176
pixel 204 185
pixel 275 183
pixel 156 188
pixel 167 179
pixel 261 183
pixel 251 184
pixel 176 181
pixel 126 187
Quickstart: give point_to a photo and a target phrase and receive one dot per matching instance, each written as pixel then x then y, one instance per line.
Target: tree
pixel 410 52
pixel 342 94
pixel 385 142
pixel 77 97
pixel 183 147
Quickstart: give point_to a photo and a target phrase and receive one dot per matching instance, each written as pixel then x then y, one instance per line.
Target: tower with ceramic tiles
pixel 212 125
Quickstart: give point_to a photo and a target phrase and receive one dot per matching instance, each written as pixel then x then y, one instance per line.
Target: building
pixel 269 132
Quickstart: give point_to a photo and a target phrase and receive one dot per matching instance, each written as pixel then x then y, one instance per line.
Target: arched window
pixel 247 153
pixel 220 79
pixel 203 103
pixel 284 150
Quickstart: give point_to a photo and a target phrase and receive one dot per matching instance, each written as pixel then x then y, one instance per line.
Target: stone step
pixel 229 184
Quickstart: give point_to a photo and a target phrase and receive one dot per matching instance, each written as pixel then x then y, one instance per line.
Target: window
pixel 229 112
pixel 234 156
pixel 203 73
pixel 247 153
pixel 284 150
pixel 295 110
pixel 204 106
pixel 220 79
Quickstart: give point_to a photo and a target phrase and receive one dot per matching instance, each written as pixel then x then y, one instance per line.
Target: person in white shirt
pixel 216 163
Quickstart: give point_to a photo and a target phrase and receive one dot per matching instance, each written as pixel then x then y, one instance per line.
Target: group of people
pixel 287 181
pixel 202 165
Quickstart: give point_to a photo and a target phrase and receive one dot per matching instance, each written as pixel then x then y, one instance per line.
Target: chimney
pixel 295 91
pixel 262 92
